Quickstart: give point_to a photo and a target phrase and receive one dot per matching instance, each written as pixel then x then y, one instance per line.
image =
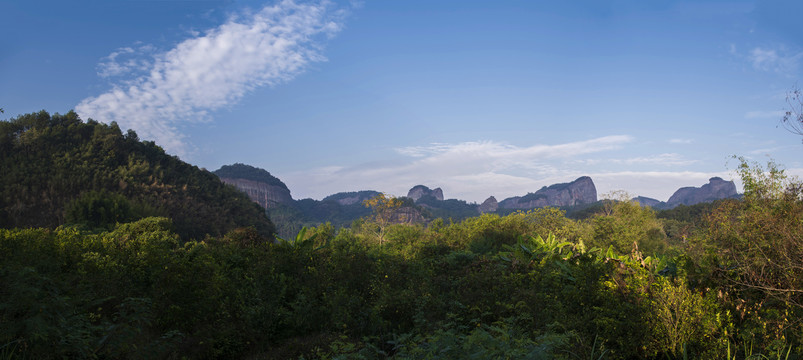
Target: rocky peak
pixel 489 205
pixel 420 191
pixel 580 191
pixel 716 189
pixel 260 186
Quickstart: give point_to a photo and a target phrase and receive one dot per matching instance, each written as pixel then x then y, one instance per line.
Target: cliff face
pixel 267 196
pixel 407 215
pixel 580 191
pixel 716 189
pixel 489 205
pixel 420 191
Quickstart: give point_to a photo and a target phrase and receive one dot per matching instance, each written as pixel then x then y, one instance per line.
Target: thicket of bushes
pixel 525 285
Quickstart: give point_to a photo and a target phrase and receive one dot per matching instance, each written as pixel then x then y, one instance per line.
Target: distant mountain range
pixel 716 189
pixel 343 208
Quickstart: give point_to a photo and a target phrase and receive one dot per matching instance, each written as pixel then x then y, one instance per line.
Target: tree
pixel 760 238
pixel 793 118
pixel 384 208
pixel 624 222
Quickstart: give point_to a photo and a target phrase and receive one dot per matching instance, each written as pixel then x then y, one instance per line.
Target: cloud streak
pixel 211 70
pixel 469 170
pixel 473 171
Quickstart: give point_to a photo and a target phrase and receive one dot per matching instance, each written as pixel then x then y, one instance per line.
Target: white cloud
pixel 670 159
pixel 470 171
pixel 211 70
pixel 126 60
pixel 666 159
pixel 473 171
pixel 681 141
pixel 764 114
pixel 780 60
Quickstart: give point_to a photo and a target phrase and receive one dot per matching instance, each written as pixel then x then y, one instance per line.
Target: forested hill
pixel 58 169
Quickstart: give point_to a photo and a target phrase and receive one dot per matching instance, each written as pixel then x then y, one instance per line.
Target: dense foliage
pixel 526 285
pixel 58 169
pixel 447 209
pixel 621 282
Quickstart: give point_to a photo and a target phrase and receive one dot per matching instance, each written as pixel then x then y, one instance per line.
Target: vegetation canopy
pixel 112 249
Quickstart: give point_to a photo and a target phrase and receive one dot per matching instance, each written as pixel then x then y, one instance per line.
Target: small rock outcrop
pixel 716 189
pixel 489 205
pixel 580 191
pixel 260 186
pixel 419 191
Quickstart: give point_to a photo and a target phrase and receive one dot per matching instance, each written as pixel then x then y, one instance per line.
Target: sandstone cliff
pixel 580 191
pixel 267 196
pixel 419 191
pixel 716 189
pixel 407 215
pixel 262 187
pixel 489 205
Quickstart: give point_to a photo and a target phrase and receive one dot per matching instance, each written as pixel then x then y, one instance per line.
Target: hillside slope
pixel 59 169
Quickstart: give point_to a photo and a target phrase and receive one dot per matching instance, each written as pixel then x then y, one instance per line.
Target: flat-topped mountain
pixel 578 192
pixel 716 189
pixel 262 187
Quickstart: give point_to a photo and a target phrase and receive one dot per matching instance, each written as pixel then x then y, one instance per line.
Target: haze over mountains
pixel 426 203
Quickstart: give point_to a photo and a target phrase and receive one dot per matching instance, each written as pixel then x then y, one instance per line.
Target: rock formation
pixel 262 187
pixel 407 215
pixel 580 191
pixel 420 191
pixel 267 196
pixel 646 201
pixel 716 189
pixel 489 205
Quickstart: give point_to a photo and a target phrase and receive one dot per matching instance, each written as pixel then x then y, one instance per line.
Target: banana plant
pixel 301 240
pixel 537 248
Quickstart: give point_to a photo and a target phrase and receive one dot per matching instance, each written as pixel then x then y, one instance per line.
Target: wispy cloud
pixel 681 141
pixel 127 60
pixel 663 160
pixel 780 60
pixel 670 159
pixel 475 170
pixel 764 114
pixel 469 170
pixel 213 69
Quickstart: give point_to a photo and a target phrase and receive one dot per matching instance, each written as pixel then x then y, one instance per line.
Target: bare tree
pixel 793 118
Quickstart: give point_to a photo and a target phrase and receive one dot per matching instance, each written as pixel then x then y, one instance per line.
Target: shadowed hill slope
pixel 58 169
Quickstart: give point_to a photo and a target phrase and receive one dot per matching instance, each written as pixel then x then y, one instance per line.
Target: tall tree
pixel 384 207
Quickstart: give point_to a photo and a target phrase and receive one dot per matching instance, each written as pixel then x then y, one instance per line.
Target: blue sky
pixel 478 98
